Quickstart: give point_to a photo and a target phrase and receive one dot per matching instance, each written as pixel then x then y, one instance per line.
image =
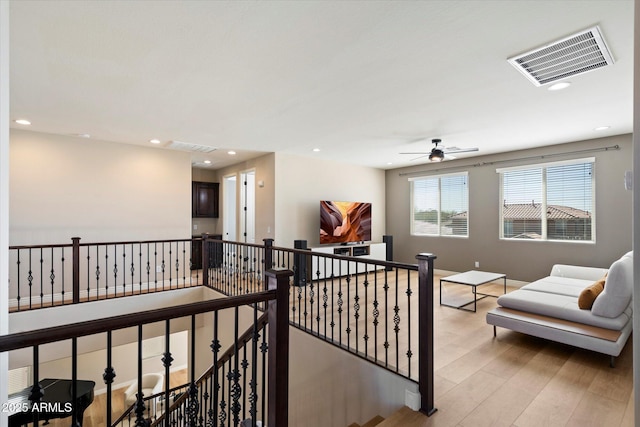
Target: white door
pixel 229 207
pixel 248 206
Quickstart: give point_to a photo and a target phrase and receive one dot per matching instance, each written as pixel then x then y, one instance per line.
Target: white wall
pixel 4 190
pixel 331 387
pixel 302 182
pixel 63 187
pixel 636 211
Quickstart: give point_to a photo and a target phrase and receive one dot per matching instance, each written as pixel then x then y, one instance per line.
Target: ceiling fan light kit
pixel 436 155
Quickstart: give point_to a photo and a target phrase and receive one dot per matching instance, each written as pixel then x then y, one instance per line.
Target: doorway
pixel 229 207
pixel 248 206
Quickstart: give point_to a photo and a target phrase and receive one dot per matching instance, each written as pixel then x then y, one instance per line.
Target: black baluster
pixel 18 267
pixel 106 269
pixel 140 268
pixel 170 263
pixel 366 311
pixel 62 274
pixel 215 348
pixel 37 392
pixel 386 318
pixel 348 330
pixel 253 384
pixel 75 414
pixel 139 405
pixel 356 306
pixel 376 314
pixel 132 270
pixel 108 376
pixel 30 281
pixel 396 322
pixel 192 410
pixel 167 359
pixel 162 266
pixel 52 276
pixel 409 352
pixel 41 278
pixel 124 271
pixel 155 265
pixel 177 265
pixel 325 300
pixel 97 272
pixel 148 269
pixel 264 347
pixel 115 270
pixel 222 415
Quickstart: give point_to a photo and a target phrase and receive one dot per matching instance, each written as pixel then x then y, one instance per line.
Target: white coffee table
pixel 473 278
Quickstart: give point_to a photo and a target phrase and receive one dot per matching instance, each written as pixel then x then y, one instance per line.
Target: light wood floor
pixel 515 379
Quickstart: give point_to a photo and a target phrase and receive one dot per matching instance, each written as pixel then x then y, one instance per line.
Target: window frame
pixel 544 187
pixel 439 177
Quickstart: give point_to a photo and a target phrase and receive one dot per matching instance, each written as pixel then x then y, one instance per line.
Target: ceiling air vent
pixel 186 146
pixel 576 54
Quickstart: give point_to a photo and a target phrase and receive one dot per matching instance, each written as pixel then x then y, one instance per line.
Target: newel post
pixel 76 269
pixel 205 259
pixel 268 259
pixel 425 332
pixel 278 369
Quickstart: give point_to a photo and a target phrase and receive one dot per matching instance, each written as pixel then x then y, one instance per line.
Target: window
pixel 553 201
pixel 440 205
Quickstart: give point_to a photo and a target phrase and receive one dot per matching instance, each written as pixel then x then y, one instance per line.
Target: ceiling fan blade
pixel 459 150
pixel 419 157
pixel 419 152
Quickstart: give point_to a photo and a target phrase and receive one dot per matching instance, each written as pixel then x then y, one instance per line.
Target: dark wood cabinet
pixel 205 199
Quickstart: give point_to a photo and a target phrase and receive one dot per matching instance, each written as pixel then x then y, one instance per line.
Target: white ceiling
pixel 358 80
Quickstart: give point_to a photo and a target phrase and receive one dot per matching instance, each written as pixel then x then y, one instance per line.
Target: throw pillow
pixel 615 298
pixel 589 295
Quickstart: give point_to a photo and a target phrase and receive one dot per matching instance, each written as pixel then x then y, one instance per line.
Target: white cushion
pixel 618 289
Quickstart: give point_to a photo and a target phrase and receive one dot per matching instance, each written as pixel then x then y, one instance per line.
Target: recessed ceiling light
pixel 602 128
pixel 389 163
pixel 231 153
pixel 83 135
pixel 208 162
pixel 315 150
pixel 23 122
pixel 559 86
pixel 154 141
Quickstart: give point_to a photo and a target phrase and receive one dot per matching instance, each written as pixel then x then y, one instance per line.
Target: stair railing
pixel 276 296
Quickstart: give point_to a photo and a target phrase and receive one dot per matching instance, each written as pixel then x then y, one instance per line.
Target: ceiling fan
pixel 438 154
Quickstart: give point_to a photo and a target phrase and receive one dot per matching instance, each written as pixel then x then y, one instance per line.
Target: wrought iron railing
pixel 254 400
pixel 379 310
pixel 49 275
pixel 366 306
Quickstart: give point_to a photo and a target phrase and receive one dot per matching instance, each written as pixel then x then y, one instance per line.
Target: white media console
pixel 328 266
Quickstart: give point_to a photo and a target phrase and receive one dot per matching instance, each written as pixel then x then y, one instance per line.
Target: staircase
pixel 372 422
pixel 403 417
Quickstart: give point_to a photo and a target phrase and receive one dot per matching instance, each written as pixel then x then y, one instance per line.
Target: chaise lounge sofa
pixel 548 308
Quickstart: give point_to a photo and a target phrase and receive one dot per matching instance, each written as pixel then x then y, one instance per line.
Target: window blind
pixel 440 205
pixel 554 201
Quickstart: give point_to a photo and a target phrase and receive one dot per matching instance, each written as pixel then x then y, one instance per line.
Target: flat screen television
pixel 344 222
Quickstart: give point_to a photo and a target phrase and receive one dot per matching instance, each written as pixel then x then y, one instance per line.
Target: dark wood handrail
pixel 128 242
pixel 79 329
